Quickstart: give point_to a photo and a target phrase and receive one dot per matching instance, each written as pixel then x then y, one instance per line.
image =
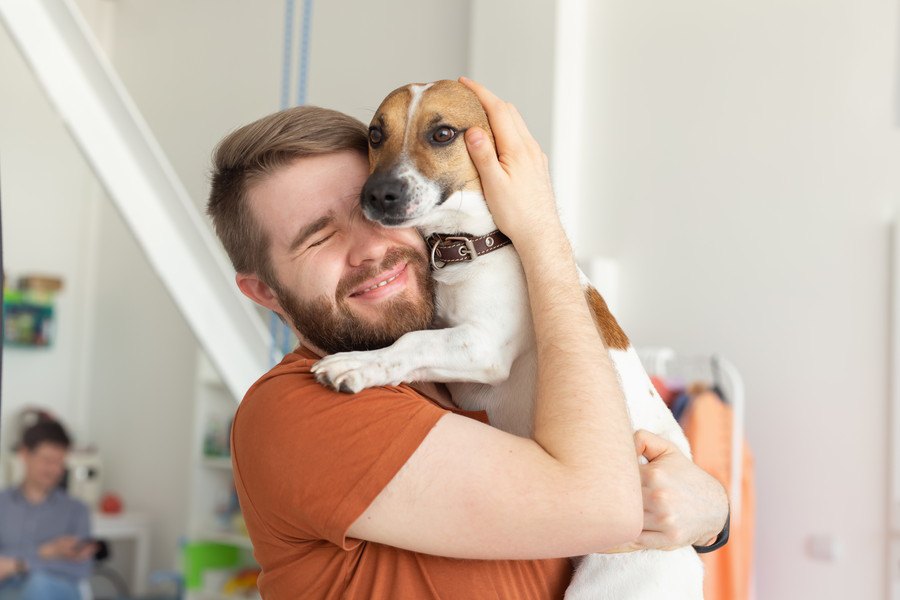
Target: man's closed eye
pixel 321 241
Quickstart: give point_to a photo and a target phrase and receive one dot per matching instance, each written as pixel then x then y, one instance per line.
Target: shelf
pixel 216 462
pixel 235 539
pixel 213 517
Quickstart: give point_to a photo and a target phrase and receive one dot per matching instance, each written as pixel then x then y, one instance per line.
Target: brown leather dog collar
pixel 462 247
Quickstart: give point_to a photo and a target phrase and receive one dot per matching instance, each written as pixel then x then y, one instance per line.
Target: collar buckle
pixel 458 248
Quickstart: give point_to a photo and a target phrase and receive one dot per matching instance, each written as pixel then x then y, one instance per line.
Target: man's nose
pixel 369 243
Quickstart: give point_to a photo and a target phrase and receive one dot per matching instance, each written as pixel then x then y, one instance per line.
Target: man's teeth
pixel 380 284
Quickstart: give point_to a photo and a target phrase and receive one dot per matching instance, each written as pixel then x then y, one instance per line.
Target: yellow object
pixel 243 581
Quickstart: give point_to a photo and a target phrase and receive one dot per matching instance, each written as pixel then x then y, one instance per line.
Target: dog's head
pixel 417 153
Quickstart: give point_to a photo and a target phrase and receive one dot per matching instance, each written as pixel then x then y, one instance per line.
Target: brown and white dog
pixel 422 176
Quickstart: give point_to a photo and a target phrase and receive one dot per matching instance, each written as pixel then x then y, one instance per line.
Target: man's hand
pixel 515 176
pixel 67 547
pixel 8 567
pixel 683 504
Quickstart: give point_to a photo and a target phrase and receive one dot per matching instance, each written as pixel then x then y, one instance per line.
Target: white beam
pixel 567 149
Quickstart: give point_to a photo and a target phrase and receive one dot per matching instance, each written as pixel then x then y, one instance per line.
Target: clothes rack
pixel 721 374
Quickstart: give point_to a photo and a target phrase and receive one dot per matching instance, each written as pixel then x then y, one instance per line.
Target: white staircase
pixel 117 143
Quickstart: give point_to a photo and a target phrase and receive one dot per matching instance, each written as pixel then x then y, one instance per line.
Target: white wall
pixel 45 182
pixel 512 52
pixel 740 163
pixel 197 70
pixel 361 51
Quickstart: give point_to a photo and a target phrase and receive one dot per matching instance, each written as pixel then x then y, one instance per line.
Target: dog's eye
pixel 375 136
pixel 442 135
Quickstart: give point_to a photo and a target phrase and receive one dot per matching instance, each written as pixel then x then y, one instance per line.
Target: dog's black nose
pixel 383 194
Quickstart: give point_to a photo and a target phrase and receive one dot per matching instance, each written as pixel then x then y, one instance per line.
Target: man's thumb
pixel 650 445
pixel 482 152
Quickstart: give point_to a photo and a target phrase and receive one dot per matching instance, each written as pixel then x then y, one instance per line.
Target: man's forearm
pixel 581 422
pixel 580 413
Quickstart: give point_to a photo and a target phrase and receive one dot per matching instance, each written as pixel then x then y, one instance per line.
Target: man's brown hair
pixel 250 153
pixel 45 431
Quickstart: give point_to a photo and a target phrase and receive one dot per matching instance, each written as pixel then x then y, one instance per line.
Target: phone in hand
pixel 82 544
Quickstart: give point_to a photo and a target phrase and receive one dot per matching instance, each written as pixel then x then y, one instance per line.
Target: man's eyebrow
pixel 310 230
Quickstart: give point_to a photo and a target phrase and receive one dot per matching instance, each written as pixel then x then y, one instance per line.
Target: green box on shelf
pixel 199 556
pixel 27 319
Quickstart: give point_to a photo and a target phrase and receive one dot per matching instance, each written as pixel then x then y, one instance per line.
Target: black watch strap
pixel 720 540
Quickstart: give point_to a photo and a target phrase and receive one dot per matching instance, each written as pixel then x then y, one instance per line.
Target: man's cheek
pixel 416 241
pixel 316 285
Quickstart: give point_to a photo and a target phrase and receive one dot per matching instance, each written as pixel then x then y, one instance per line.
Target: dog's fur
pixel 485 348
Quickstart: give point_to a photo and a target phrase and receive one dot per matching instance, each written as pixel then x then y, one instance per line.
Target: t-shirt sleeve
pixel 312 460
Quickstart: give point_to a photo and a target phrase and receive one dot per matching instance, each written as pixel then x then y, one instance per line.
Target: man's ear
pixel 256 290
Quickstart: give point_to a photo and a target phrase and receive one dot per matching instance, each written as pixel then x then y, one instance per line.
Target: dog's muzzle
pixel 385 198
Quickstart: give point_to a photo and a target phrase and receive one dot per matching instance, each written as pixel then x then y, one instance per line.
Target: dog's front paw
pixel 352 372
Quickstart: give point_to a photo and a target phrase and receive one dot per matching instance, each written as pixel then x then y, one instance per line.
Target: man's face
pixel 344 282
pixel 44 466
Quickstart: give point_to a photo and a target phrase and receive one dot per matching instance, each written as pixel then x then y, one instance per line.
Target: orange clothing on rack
pixel 707 424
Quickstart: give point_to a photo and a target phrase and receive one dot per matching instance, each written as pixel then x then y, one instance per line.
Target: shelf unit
pixel 212 503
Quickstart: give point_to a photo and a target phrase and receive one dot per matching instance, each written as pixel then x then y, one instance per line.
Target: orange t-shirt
pixel 308 461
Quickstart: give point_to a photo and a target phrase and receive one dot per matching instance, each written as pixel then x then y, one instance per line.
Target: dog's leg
pixel 471 352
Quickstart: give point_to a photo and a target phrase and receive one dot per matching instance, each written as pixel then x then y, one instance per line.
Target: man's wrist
pixel 719 541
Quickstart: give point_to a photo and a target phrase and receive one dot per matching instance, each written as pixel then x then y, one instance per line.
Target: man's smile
pixel 385 284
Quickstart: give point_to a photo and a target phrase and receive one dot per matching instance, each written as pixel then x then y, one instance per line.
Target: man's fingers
pixel 66 543
pixel 656 523
pixel 506 133
pixel 484 157
pixel 629 547
pixel 521 127
pixel 485 96
pixel 650 445
pixel 655 540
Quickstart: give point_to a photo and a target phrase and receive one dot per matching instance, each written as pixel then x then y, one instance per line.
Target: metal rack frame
pixel 664 362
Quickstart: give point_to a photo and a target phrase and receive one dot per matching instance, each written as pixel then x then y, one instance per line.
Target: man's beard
pixel 332 326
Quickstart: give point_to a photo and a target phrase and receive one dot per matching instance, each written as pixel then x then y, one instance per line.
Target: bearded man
pixel 393 492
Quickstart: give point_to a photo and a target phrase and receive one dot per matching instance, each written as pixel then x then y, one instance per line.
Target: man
pixel 392 493
pixel 45 548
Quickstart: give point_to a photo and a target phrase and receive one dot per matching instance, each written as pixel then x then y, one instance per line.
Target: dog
pixel 421 175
